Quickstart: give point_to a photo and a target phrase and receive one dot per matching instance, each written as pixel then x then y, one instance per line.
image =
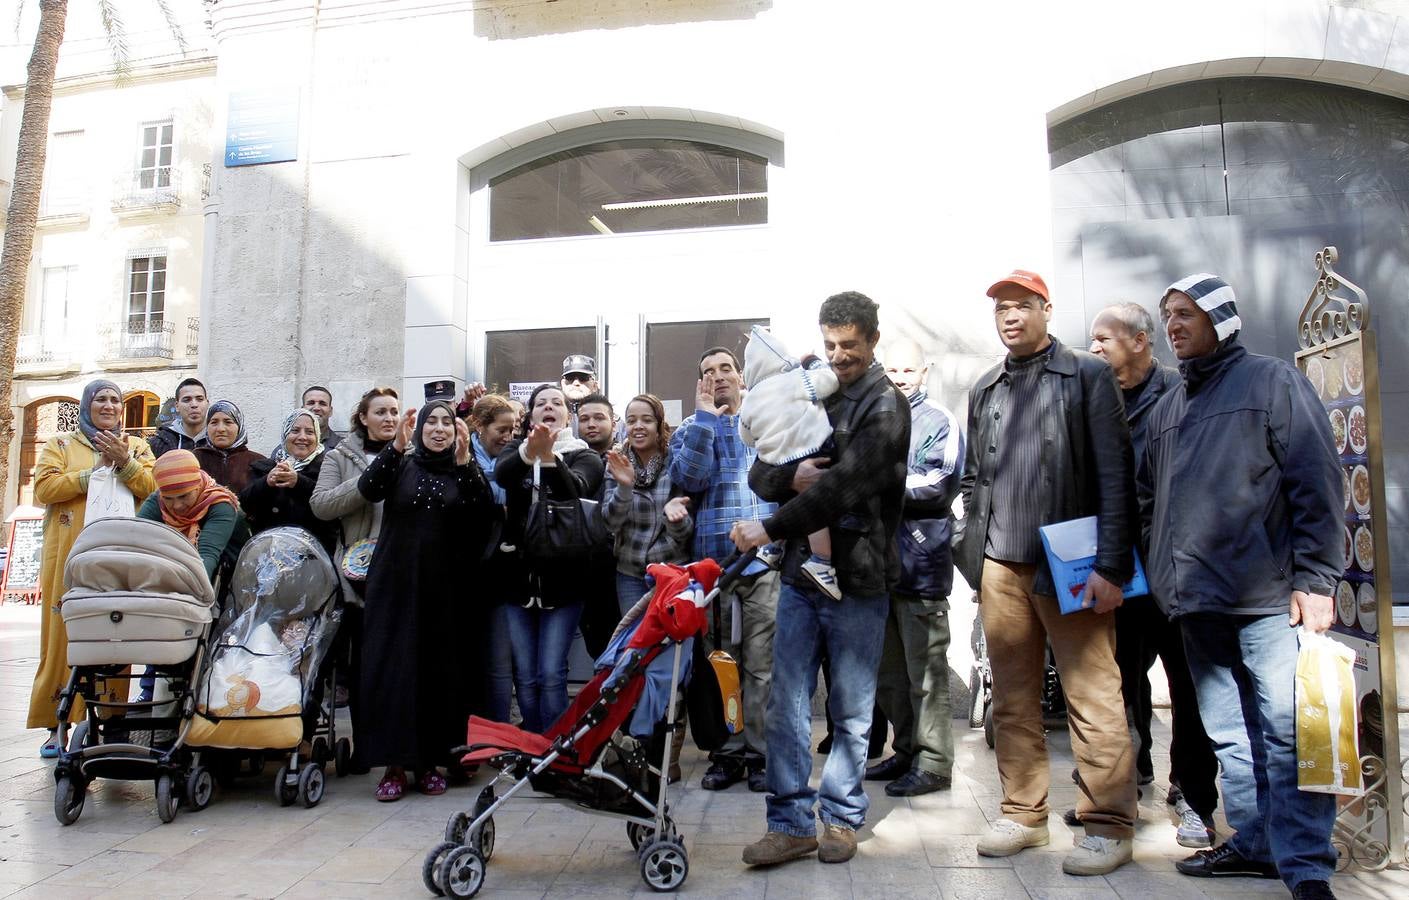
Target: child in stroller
pixel 581 759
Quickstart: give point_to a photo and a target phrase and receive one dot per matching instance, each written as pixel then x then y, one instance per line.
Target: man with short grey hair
pixel 1123 335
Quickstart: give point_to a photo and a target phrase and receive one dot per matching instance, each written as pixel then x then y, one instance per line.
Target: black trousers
pixel 1143 633
pixel 600 611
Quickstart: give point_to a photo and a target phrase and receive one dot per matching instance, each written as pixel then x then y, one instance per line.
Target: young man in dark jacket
pixel 1123 336
pixel 857 497
pixel 1240 483
pixel 189 425
pixel 1048 443
pixel 913 683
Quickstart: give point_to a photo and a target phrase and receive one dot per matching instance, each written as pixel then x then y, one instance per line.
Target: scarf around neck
pixel 283 454
pixel 646 473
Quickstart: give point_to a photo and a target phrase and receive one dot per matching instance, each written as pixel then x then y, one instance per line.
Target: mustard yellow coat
pixel 61 485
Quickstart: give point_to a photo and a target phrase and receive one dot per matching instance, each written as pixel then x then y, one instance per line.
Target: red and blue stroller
pixel 585 759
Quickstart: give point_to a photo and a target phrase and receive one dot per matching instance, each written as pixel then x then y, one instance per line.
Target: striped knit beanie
pixel 177 472
pixel 1215 297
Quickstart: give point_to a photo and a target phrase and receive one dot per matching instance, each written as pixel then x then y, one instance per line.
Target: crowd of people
pixel 847 483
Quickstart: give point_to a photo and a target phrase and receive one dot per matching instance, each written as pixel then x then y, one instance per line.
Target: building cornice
pixel 138 74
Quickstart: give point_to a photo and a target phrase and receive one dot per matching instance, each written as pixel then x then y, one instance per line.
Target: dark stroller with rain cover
pixel 266 657
pixel 582 760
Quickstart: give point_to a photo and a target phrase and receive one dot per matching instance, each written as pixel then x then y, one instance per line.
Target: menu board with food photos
pixel 23 562
pixel 1339 358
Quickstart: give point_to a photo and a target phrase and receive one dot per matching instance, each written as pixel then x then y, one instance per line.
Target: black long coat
pixel 422 669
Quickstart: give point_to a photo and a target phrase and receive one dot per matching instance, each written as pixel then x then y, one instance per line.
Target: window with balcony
pixel 629 186
pixel 65 189
pixel 144 332
pixel 154 163
pixel 44 327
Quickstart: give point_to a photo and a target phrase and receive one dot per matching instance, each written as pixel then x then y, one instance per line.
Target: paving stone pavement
pixel 245 845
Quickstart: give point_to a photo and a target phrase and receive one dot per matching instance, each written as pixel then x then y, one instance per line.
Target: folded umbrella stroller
pixel 582 760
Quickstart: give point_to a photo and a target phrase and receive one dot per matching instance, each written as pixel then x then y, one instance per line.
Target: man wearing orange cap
pixel 1048 442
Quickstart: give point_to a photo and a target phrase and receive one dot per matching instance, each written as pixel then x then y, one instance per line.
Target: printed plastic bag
pixel 108 497
pixel 1328 761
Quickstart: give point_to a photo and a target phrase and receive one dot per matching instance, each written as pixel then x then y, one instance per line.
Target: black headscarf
pixel 432 460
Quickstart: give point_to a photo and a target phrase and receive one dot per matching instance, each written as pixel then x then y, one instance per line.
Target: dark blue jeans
pixel 501 665
pixel 852 631
pixel 629 590
pixel 541 639
pixel 1244 670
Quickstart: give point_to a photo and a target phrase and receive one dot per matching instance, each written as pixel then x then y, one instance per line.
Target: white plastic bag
pixel 108 497
pixel 1328 761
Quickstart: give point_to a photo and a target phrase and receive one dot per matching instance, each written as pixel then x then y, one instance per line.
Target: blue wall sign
pixel 262 127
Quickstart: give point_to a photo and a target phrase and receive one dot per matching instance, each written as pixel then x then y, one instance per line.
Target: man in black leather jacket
pixel 858 499
pixel 1048 443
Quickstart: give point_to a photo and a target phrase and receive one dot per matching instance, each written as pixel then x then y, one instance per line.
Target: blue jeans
pixel 501 665
pixel 541 639
pixel 852 632
pixel 629 590
pixel 1244 670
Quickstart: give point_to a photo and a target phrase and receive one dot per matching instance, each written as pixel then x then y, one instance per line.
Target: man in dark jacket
pixel 1240 483
pixel 189 424
pixel 1048 443
pixel 913 683
pixel 1123 336
pixel 857 497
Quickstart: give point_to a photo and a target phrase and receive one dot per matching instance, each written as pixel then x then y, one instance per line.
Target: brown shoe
pixel 776 847
pixel 838 844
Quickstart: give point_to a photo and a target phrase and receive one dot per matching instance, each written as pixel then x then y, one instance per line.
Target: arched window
pixel 139 412
pixel 625 186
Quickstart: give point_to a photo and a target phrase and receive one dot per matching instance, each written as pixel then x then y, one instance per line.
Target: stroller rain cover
pixel 264 660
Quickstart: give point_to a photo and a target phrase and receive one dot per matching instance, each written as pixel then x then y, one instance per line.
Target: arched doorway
pixel 42 420
pixel 140 410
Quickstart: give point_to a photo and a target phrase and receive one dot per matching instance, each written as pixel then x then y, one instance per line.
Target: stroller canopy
pixel 285 573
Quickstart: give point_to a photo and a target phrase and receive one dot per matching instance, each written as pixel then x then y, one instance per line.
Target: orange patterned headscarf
pixel 177 472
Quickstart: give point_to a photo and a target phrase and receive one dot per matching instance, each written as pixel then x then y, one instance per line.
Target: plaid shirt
pixel 636 517
pixel 709 458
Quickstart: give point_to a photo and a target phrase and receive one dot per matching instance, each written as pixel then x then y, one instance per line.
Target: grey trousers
pixel 754 653
pixel 913 683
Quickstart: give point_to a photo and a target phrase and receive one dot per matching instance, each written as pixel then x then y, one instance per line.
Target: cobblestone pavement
pixel 245 845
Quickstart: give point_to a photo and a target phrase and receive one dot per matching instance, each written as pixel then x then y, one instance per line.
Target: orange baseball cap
pixel 1023 279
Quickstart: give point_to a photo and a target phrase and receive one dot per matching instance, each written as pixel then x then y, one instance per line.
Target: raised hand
pixel 113 449
pixel 620 468
pixel 704 398
pixel 539 444
pixel 462 443
pixel 405 430
pixel 473 392
pixel 677 509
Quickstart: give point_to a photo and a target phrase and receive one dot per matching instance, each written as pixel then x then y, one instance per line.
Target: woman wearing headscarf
pixel 223 451
pixel 61 484
pixel 544 603
pixel 413 696
pixel 190 501
pixel 279 489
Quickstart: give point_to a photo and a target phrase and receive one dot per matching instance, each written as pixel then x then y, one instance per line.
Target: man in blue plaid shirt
pixel 711 462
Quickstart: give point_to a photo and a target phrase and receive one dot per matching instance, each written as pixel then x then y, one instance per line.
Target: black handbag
pixel 568 530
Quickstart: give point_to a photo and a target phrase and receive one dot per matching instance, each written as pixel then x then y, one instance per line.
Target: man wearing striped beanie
pixel 1240 490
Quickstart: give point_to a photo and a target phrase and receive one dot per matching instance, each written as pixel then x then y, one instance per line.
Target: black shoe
pixel 1070 818
pixel 888 769
pixel 1144 779
pixel 825 746
pixel 1313 890
pixel 721 774
pixel 758 780
pixel 916 782
pixel 1223 861
pixel 1174 796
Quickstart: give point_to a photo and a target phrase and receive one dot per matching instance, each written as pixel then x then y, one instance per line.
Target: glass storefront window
pixel 672 354
pixel 535 355
pixel 629 186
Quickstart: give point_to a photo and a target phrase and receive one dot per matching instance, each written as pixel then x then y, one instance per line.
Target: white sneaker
pixel 1096 855
pixel 1193 831
pixel 1007 837
pixel 771 555
pixel 824 577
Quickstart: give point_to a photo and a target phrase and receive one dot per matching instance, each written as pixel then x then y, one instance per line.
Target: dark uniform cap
pixel 440 390
pixel 580 363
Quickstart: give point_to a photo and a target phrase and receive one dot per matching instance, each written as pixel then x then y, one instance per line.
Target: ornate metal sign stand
pixel 1340 359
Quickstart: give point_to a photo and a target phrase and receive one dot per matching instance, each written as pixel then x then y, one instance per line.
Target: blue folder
pixel 1071 554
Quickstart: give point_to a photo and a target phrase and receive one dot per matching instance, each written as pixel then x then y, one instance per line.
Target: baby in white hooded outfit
pixel 783 418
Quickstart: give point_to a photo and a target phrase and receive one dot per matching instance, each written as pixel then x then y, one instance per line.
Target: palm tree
pixel 29 179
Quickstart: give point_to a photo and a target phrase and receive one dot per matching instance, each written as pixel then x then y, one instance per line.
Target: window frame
pixel 139 168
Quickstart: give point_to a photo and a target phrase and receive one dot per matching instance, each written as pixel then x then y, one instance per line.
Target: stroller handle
pixel 733 566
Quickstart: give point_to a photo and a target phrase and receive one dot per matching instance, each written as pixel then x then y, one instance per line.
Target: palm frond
pixel 19 17
pixel 173 24
pixel 117 37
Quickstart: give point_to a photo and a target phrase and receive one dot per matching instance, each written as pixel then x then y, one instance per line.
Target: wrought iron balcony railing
pixel 138 337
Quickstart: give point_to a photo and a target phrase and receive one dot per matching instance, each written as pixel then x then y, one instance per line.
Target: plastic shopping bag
pixel 108 497
pixel 1328 761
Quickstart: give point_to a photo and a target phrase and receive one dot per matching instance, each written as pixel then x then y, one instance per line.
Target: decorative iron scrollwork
pixel 1361 820
pixel 1326 316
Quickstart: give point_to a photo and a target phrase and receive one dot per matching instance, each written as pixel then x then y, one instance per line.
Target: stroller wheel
pixel 200 785
pixel 430 868
pixel 455 828
pixel 976 696
pixel 636 834
pixel 462 872
pixel 167 799
pixel 310 785
pixel 664 866
pixel 78 738
pixel 68 800
pixel 342 757
pixel 320 752
pixel 283 791
pixel 988 725
pixel 483 839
